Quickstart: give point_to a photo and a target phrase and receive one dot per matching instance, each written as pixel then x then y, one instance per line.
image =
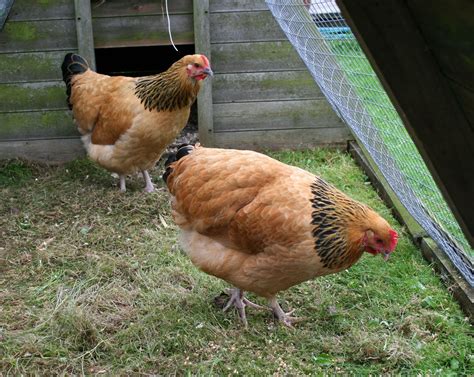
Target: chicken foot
pixel 122 183
pixel 149 185
pixel 283 317
pixel 238 300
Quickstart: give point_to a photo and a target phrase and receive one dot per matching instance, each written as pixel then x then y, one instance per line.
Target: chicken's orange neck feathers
pixel 337 226
pixel 168 91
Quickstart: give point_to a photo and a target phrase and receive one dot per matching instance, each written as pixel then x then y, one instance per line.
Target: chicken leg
pixel 283 317
pixel 122 183
pixel 149 185
pixel 238 300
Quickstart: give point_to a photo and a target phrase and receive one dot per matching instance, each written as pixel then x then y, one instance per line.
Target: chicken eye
pixel 379 241
pixel 196 65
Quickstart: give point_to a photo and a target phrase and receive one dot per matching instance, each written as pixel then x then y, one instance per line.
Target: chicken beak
pixel 386 255
pixel 208 71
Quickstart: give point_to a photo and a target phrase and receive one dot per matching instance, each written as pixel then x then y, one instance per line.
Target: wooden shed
pixel 261 97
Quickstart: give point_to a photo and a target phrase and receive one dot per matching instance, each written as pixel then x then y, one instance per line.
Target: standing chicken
pixel 264 226
pixel 128 122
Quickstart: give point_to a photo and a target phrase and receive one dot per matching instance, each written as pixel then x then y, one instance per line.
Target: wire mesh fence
pixel 326 44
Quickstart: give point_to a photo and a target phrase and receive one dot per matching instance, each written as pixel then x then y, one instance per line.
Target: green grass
pixel 14 173
pixel 92 281
pixel 394 135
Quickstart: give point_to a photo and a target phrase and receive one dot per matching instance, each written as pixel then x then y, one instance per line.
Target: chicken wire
pixel 326 44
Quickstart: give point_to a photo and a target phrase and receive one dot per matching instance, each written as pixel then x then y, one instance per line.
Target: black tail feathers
pixel 183 150
pixel 73 64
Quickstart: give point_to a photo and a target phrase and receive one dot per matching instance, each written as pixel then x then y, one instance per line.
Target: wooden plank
pixel 85 40
pixel 393 42
pixel 36 124
pixel 275 115
pixel 32 96
pixel 38 36
pixel 245 27
pixel 264 86
pixel 291 139
pixel 464 94
pixel 204 100
pixel 119 8
pixel 270 56
pixel 34 10
pixel 142 31
pixel 28 67
pixel 456 284
pixel 448 28
pixel 51 151
pixel 236 5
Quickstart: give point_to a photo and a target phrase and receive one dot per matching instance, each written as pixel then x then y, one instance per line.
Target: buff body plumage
pixel 128 122
pixel 264 226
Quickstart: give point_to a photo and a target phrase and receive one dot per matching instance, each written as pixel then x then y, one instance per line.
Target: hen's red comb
pixel 206 60
pixel 393 239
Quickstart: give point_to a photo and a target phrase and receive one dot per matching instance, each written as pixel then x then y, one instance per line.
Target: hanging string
pixel 169 25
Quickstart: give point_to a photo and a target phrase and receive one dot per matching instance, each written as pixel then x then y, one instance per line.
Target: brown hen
pixel 264 226
pixel 127 122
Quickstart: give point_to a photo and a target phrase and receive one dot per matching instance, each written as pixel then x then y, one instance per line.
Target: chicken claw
pixel 238 300
pixel 283 317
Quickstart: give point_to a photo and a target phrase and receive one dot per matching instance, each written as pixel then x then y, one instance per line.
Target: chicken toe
pixel 284 318
pixel 238 300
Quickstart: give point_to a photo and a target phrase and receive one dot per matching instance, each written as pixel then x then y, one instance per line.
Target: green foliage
pixel 93 282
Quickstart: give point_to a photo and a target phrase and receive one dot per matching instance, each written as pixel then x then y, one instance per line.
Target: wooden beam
pixel 48 151
pixel 394 45
pixel 202 37
pixel 85 39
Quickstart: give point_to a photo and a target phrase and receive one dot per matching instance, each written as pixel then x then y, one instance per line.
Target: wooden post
pixel 202 42
pixel 85 38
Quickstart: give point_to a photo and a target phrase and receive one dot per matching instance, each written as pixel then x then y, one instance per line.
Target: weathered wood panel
pixel 264 86
pixel 30 10
pixel 50 151
pixel 244 27
pixel 142 31
pixel 36 124
pixel 85 38
pixel 108 32
pixel 275 115
pixel 27 67
pixel 271 56
pixel 204 100
pixel 263 95
pixel 38 36
pixel 282 139
pixel 32 96
pixel 236 5
pixel 117 8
